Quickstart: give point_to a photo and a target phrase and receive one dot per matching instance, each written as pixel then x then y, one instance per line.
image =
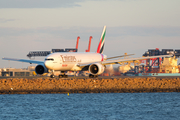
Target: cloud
pixel 66 33
pixel 38 3
pixel 17 42
pixel 91 13
pixel 71 32
pixel 49 36
pixel 3 20
pixel 145 31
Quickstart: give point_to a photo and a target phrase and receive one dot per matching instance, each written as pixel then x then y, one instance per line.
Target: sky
pixel 133 26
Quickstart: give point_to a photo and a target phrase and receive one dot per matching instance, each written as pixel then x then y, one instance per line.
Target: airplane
pixel 95 62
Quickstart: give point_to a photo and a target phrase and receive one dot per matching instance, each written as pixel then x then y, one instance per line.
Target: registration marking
pixel 64 65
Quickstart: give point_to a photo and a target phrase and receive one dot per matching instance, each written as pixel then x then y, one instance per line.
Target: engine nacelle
pixel 96 69
pixel 41 69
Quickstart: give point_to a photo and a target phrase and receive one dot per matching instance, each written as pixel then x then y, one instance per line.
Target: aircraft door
pixel 60 61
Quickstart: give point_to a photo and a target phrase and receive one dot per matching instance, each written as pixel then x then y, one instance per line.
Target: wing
pixel 24 60
pixel 131 59
pixel 119 56
pixel 120 60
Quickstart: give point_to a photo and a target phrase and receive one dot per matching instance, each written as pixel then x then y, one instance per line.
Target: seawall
pixel 88 85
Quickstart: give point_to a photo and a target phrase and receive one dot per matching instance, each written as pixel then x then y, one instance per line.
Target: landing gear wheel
pixel 93 76
pixel 52 76
pixel 63 76
pixel 90 75
pixel 60 76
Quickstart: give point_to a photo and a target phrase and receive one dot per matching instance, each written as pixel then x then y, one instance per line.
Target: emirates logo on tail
pixel 102 41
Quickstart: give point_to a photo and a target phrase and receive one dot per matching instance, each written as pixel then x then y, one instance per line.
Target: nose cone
pixel 48 64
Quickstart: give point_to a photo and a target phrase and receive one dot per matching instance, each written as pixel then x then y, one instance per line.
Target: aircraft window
pixel 50 59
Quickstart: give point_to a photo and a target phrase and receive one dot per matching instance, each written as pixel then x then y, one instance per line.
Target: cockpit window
pixel 49 59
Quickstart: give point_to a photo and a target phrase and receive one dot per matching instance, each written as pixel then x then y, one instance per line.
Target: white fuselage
pixel 68 61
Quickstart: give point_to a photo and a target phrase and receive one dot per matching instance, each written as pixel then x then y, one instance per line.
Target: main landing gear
pixel 63 75
pixel 93 76
pixel 60 76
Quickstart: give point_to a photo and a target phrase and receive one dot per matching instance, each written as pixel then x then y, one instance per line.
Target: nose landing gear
pixel 52 74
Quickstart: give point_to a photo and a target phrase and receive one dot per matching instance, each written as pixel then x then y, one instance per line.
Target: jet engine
pixel 96 69
pixel 40 69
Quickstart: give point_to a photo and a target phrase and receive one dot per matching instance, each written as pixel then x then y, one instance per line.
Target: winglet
pixel 102 41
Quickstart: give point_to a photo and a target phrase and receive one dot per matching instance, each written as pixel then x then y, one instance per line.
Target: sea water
pixel 90 106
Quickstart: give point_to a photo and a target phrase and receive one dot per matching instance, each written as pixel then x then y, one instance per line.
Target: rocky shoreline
pixel 88 85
